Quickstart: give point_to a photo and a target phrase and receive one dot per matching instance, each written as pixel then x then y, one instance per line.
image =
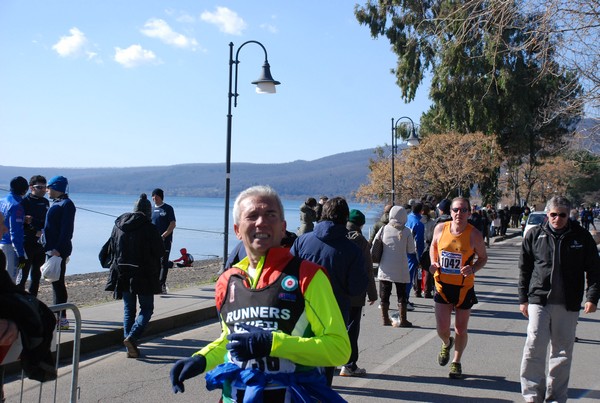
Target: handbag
pixel 51 269
pixel 377 247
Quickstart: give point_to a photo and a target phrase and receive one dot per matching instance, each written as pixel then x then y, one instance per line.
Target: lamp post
pixel 265 84
pixel 412 140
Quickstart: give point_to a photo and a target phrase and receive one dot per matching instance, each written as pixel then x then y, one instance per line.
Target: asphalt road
pixel 401 363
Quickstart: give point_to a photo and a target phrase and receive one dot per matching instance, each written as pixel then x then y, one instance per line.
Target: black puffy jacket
pixel 578 259
pixel 136 248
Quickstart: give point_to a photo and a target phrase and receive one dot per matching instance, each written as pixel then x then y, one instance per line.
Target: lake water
pixel 199 225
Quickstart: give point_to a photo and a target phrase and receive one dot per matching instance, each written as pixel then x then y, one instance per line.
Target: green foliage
pixel 586 185
pixel 485 77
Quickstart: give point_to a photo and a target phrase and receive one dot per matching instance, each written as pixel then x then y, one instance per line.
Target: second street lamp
pixel 412 140
pixel 265 84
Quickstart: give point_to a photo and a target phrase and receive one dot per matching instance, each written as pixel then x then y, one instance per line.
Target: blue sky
pixel 144 82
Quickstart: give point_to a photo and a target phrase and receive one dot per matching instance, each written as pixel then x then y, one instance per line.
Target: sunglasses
pixel 561 215
pixel 462 209
pixel 39 187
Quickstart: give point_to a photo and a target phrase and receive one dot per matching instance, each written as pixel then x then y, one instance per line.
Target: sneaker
pixel 132 349
pixel 444 355
pixel 455 371
pixel 164 289
pixel 410 306
pixel 347 371
pixel 63 324
pixel 418 294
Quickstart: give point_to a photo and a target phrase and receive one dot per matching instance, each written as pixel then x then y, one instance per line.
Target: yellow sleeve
pixel 215 351
pixel 330 345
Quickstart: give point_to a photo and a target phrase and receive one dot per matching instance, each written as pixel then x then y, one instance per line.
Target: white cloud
pixel 268 27
pixel 134 56
pixel 227 20
pixel 157 28
pixel 71 45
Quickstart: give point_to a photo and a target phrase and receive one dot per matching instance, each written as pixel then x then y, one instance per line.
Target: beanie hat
pixel 142 205
pixel 19 185
pixel 59 183
pixel 357 217
pixel 158 192
pixel 444 206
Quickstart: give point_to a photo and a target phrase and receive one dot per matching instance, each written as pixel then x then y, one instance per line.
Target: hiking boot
pixel 455 371
pixel 347 371
pixel 62 324
pixel 444 355
pixel 132 349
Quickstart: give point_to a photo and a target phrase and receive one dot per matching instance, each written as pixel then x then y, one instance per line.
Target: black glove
pixel 186 369
pixel 23 262
pixel 253 344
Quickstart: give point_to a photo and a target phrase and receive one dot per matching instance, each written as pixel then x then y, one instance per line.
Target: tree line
pixel 510 83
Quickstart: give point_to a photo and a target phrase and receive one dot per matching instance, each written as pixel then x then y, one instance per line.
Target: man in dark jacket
pixel 556 259
pixel 354 227
pixel 136 248
pixel 35 207
pixel 328 247
pixel 58 232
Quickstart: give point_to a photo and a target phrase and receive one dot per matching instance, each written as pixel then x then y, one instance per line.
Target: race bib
pixel 450 262
pixel 270 365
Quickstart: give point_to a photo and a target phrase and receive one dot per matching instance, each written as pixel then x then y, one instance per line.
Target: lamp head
pixel 265 83
pixel 413 140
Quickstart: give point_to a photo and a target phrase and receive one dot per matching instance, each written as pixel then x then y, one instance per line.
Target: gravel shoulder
pixel 88 289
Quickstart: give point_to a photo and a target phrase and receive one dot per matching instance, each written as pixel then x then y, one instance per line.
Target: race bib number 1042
pixel 450 262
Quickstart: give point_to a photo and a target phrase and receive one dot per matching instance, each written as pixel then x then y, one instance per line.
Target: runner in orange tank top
pixel 457 252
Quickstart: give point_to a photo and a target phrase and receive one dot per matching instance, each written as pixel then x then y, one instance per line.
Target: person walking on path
pixel 136 248
pixel 413 222
pixel 356 220
pixel 398 250
pixel 328 246
pixel 383 220
pixel 11 243
pixel 457 253
pixel 35 207
pixel 279 317
pixel 57 235
pixel 163 216
pixel 556 259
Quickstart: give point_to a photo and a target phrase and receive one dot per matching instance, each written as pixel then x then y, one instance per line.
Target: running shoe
pixel 455 371
pixel 347 371
pixel 444 356
pixel 63 324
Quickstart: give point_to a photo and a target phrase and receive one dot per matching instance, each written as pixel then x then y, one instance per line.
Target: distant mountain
pixel 336 175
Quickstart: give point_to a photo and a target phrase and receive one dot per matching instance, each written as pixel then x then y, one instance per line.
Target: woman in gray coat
pixel 398 248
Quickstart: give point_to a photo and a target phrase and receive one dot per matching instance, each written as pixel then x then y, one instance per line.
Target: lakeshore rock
pixel 88 289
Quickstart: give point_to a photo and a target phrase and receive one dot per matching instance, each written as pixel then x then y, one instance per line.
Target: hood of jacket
pixel 129 222
pixel 398 216
pixel 328 231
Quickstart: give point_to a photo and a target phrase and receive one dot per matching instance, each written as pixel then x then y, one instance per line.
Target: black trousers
pixel 164 271
pixel 37 257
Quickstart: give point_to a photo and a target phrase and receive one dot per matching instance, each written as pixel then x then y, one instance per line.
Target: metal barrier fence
pixel 73 395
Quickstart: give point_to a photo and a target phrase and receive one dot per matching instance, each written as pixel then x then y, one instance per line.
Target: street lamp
pixel 412 140
pixel 265 84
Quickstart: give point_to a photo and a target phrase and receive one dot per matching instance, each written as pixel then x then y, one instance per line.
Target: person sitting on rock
pixel 186 259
